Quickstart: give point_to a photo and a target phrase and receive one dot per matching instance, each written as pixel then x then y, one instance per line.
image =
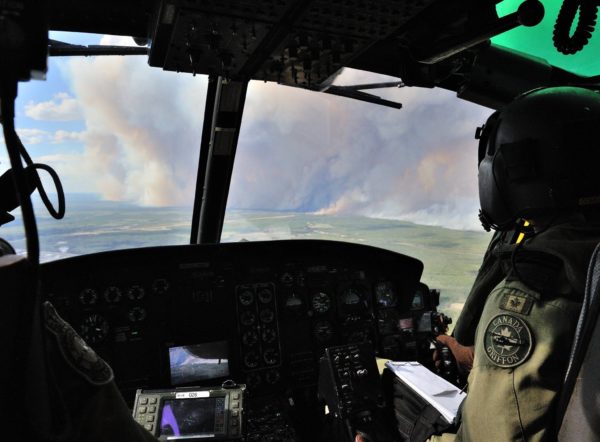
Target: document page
pixel 441 394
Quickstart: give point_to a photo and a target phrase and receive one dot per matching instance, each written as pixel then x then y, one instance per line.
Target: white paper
pixel 441 394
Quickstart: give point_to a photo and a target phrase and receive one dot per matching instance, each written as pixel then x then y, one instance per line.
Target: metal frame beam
pixel 222 121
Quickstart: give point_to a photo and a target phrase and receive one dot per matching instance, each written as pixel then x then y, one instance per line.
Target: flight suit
pixel 523 333
pixel 87 404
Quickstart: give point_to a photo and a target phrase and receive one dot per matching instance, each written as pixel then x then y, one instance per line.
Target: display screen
pixel 199 362
pixel 190 417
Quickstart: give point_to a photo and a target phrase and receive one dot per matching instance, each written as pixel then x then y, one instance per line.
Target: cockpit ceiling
pixel 294 42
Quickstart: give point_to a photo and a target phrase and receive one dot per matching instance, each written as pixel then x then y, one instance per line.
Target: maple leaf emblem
pixel 505 332
pixel 515 302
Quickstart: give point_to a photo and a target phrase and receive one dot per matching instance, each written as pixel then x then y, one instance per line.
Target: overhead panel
pixel 301 43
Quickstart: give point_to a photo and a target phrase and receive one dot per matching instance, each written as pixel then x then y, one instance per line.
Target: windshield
pixel 318 166
pixel 124 139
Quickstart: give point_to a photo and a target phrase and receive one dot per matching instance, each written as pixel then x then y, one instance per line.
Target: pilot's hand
pixel 463 355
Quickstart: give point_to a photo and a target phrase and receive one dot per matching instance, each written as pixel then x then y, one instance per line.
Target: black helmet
pixel 540 155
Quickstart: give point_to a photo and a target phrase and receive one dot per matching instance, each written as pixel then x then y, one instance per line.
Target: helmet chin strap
pixel 488 224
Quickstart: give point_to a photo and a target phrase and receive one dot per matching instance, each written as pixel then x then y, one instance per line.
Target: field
pixel 451 257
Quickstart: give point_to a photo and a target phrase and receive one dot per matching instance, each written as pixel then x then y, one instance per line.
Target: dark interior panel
pixel 268 308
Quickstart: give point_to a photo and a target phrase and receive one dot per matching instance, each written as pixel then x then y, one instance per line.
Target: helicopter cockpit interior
pixel 270 316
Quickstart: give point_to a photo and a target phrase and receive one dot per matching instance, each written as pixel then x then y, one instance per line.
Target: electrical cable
pixel 588 12
pixel 519 246
pixel 8 95
pixel 57 214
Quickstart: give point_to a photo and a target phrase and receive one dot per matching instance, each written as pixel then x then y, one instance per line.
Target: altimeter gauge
pixel 94 329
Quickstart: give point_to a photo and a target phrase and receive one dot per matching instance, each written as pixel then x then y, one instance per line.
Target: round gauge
pixel 247 318
pixel 272 376
pixel 137 314
pixel 112 295
pixel 287 278
pixel 88 296
pixel 323 331
pixel 267 315
pixel 250 338
pixel 271 356
pixel 246 297
pixel 385 294
pixel 160 286
pixel 94 329
pixel 321 302
pixel 265 295
pixel 268 335
pixel 351 297
pixel 251 359
pixel 293 301
pixel 253 380
pixel 136 292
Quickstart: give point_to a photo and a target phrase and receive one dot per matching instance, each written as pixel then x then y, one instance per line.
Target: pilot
pixel 83 403
pixel 538 160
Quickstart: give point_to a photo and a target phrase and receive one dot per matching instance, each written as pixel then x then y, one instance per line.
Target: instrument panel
pixel 261 313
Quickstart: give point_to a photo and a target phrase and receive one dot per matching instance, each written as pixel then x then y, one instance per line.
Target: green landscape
pixel 451 257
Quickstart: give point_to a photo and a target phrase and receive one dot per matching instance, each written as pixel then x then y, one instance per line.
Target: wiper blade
pixel 61 49
pixel 355 92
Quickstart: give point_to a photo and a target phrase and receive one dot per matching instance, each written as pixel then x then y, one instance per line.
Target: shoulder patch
pixel 507 341
pixel 75 351
pixel 516 303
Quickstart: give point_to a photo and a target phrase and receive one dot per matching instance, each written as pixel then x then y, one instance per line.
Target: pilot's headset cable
pixel 8 95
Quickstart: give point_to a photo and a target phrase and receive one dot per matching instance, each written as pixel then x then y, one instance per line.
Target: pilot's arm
pixel 94 410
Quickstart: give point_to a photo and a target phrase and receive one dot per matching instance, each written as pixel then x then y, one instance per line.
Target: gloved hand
pixel 463 355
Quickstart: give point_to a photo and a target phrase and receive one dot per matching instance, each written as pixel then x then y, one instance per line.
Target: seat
pixel 578 417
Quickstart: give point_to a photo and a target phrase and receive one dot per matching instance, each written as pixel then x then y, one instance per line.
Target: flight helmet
pixel 540 155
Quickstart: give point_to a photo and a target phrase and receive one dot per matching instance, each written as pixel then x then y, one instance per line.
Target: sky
pixel 119 128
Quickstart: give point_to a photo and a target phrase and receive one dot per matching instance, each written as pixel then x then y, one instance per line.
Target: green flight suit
pixel 86 399
pixel 523 333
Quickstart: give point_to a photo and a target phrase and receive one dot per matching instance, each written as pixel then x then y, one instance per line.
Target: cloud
pixel 330 155
pixel 30 136
pixel 64 136
pixel 143 127
pixel 62 107
pixel 33 136
pixel 298 150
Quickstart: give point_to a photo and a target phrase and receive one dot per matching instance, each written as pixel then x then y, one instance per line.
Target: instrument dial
pixel 385 294
pixel 160 286
pixel 137 314
pixel 136 292
pixel 268 335
pixel 272 377
pixel 88 296
pixel 267 315
pixel 271 356
pixel 246 298
pixel 94 329
pixel 293 301
pixel 251 359
pixel 112 294
pixel 351 296
pixel 248 318
pixel 321 302
pixel 265 295
pixel 250 338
